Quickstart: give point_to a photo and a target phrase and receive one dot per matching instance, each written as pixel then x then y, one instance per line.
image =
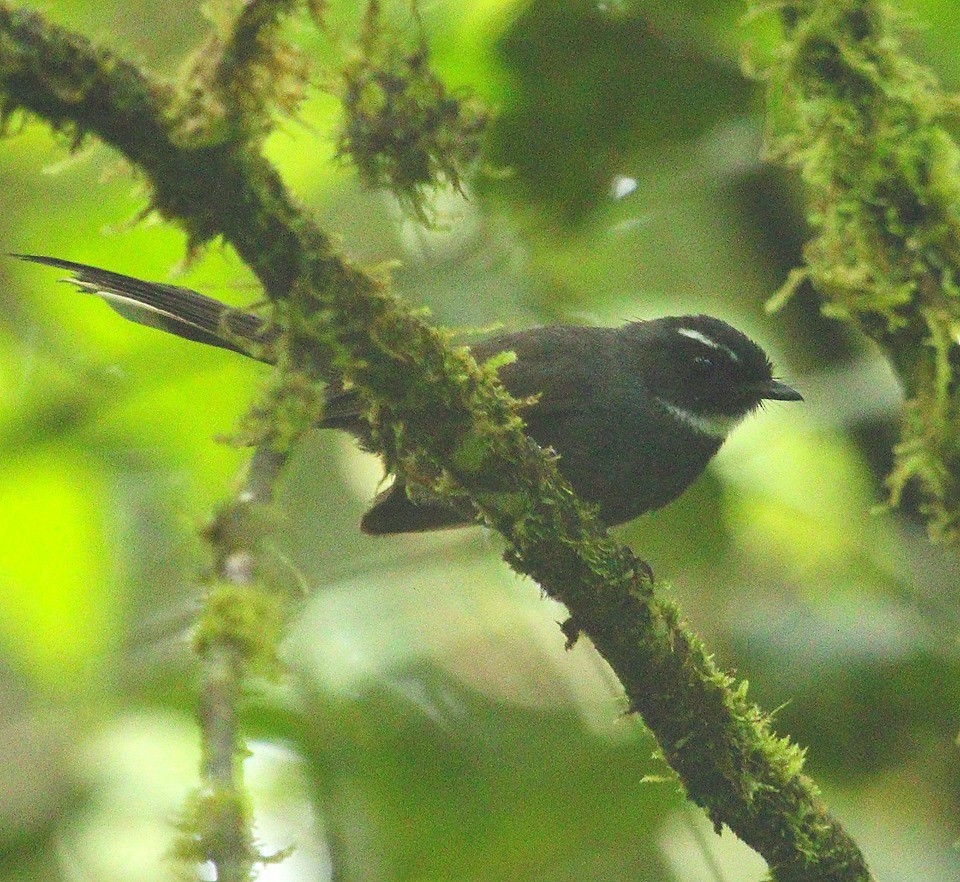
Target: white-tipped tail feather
pixel 169 308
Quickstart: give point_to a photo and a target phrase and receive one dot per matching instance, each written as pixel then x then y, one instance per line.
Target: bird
pixel 634 413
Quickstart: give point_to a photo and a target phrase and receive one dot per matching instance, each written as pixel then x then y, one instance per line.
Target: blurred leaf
pixel 593 84
pixel 58 603
pixel 486 791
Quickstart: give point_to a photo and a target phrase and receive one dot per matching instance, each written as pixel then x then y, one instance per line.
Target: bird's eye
pixel 703 365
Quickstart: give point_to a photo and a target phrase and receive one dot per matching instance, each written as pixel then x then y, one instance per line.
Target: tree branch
pixel 865 126
pixel 438 415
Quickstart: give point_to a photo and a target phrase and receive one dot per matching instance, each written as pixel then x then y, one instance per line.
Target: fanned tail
pixel 170 308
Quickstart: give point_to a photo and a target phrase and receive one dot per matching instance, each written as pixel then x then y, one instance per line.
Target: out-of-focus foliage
pixel 432 725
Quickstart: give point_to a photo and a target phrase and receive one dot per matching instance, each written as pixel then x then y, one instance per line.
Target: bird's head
pixel 706 373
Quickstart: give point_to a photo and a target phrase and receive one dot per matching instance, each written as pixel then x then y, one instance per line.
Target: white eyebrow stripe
pixel 706 341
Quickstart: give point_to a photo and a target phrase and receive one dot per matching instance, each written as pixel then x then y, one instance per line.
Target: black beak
pixel 777 391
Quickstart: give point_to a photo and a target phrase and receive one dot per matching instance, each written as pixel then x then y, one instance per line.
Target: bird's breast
pixel 625 460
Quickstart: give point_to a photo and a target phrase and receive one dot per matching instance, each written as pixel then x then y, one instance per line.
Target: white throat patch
pixel 713 426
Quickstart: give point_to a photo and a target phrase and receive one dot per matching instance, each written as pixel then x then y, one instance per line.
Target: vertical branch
pixel 222 804
pixel 241 623
pixel 867 128
pixel 237 634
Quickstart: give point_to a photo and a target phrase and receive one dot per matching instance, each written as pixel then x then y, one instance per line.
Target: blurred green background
pixel 432 727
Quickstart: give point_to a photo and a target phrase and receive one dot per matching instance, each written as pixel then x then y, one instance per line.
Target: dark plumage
pixel 635 412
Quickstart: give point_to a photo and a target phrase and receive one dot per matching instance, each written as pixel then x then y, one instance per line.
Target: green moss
pixel 245 74
pixel 245 618
pixel 216 826
pixel 290 404
pixel 403 130
pixel 866 127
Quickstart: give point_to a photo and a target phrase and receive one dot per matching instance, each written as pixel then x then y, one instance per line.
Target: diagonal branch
pixel 435 412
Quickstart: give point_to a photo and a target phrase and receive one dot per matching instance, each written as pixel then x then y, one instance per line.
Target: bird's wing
pixel 554 369
pixel 533 375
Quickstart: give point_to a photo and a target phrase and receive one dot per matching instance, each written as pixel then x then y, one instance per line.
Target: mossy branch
pixel 242 74
pixel 866 127
pixel 437 414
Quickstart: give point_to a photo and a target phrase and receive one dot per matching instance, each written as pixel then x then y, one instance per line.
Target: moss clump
pixel 403 130
pixel 245 73
pixel 290 405
pixel 245 618
pixel 216 824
